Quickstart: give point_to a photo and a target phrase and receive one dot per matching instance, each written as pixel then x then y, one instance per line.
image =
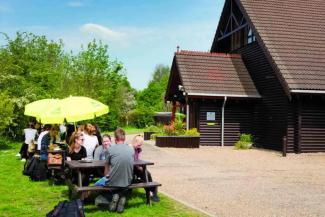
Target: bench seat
pixel 83 192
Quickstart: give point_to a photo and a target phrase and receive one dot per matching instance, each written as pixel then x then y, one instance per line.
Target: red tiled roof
pixel 204 73
pixel 293 33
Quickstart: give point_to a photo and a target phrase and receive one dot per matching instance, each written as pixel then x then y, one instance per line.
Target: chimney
pixel 177 49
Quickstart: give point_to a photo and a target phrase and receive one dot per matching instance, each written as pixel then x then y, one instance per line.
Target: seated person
pixel 76 150
pixel 119 168
pixel 90 140
pixel 30 134
pixel 138 170
pixel 101 152
pixel 48 138
pixel 45 130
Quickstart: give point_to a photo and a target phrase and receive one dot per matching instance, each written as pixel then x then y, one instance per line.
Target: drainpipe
pixel 187 116
pixel 223 121
pixel 187 112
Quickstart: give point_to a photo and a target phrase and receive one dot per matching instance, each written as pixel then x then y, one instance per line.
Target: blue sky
pixel 140 33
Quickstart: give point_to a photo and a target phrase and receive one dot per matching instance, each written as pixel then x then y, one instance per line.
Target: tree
pixel 151 99
pixel 33 68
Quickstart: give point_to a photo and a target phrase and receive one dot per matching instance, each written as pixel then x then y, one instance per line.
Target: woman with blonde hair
pixel 138 172
pixel 76 150
pixel 90 140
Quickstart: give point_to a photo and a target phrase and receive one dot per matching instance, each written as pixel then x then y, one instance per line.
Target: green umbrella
pixel 71 109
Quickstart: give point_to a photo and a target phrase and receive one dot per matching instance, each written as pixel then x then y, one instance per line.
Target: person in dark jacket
pixel 48 138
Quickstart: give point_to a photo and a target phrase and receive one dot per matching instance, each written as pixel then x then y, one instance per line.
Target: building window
pixel 250 36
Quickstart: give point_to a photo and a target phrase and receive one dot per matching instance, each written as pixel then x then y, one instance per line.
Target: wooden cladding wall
pixel 273 108
pixel 238 119
pixel 210 131
pixel 312 125
pixel 292 129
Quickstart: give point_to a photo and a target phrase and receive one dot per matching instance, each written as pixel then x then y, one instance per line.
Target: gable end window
pixel 250 36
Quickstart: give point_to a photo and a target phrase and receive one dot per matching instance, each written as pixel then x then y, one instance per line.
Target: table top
pixel 56 151
pixel 99 164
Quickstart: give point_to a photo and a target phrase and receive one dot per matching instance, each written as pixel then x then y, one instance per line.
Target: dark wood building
pixel 265 75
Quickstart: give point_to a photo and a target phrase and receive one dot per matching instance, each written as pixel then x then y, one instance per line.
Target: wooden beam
pixel 234 18
pixel 232 32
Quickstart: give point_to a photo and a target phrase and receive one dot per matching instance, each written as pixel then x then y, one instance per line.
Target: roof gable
pixel 214 74
pixel 291 33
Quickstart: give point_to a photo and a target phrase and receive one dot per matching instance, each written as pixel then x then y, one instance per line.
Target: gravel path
pixel 227 182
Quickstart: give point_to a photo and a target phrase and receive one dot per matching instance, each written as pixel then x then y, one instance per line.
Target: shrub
pixel 179 127
pixel 246 138
pixel 245 141
pixel 141 118
pixel 4 143
pixel 153 128
pixel 192 132
pixel 169 130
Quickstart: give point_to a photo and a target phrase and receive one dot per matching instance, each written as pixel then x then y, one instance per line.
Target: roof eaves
pixel 207 54
pixel 179 72
pixel 227 95
pixel 308 91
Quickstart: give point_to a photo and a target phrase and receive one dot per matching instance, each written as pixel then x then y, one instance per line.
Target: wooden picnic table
pixel 82 166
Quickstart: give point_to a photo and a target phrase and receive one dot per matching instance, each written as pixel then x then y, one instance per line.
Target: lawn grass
pixel 129 130
pixel 21 197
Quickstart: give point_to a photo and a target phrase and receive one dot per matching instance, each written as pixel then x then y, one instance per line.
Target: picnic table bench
pixel 82 192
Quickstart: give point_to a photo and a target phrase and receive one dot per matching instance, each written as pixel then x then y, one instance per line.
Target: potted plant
pixel 245 141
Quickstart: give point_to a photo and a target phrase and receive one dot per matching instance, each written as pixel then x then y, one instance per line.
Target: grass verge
pixel 21 197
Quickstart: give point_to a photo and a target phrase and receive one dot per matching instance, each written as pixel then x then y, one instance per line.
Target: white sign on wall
pixel 211 116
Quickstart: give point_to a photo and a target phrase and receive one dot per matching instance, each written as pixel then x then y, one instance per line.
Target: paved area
pixel 227 182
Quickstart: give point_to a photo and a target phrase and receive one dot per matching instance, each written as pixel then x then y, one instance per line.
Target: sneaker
pixel 23 160
pixel 120 205
pixel 113 203
pixel 18 155
pixel 100 200
pixel 155 198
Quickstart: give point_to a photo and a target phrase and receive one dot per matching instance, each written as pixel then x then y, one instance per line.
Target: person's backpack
pixel 29 166
pixel 39 173
pixel 65 208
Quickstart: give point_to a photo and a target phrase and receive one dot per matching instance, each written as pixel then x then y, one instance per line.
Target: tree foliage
pixel 33 68
pixel 151 99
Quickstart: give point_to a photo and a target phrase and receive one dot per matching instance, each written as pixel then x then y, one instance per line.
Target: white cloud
pixel 103 32
pixel 75 4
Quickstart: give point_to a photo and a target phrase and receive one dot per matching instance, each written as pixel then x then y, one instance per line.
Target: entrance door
pixel 210 125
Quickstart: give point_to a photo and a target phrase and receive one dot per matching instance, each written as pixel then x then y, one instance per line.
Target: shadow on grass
pixel 135 200
pixel 4 147
pixel 6 144
pixel 65 193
